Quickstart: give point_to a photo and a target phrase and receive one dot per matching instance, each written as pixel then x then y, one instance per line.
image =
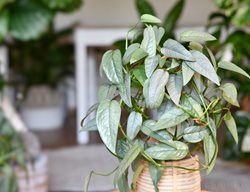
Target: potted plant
pixel 176 102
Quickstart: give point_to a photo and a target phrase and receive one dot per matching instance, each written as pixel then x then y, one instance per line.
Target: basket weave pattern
pixel 173 179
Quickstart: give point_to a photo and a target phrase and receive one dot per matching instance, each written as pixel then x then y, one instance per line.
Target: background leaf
pixel 144 7
pixel 196 36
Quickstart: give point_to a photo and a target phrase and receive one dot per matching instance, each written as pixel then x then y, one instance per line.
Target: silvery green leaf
pixel 134 124
pixel 232 67
pixel 147 18
pixel 154 88
pixel 174 49
pixel 199 83
pixel 195 46
pixel 231 125
pixel 212 127
pixel 171 118
pixel 192 107
pixel 212 57
pixel 162 61
pixel 129 51
pixel 92 109
pixel 174 87
pixel 187 73
pixel 195 134
pixel 203 66
pixel 174 64
pixel 159 32
pixel 229 93
pixel 137 55
pixel 155 174
pixel 165 106
pixel 112 66
pixel 166 152
pixel 90 126
pixel 211 151
pixel 125 90
pixel 180 129
pixel 122 183
pixel 148 43
pixel 193 94
pixel 150 65
pixel 196 36
pixel 122 148
pixel 140 75
pixel 107 92
pixel 107 119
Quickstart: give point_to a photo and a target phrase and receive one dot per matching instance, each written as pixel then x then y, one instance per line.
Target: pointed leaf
pixel 112 66
pixel 144 7
pixel 195 134
pixel 231 125
pixel 147 18
pixel 187 73
pixel 174 49
pixel 159 32
pixel 155 174
pixel 122 183
pixel 211 151
pixel 139 74
pixel 232 67
pixel 107 92
pixel 107 120
pixel 92 109
pixel 196 36
pixel 195 46
pixel 148 43
pixel 150 65
pixel 134 124
pixel 203 66
pixel 174 64
pixel 137 55
pixel 154 88
pixel 90 126
pixel 229 93
pixel 125 90
pixel 122 148
pixel 174 87
pixel 165 152
pixel 129 51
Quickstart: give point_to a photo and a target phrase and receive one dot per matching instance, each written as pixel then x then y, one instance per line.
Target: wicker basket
pixel 173 179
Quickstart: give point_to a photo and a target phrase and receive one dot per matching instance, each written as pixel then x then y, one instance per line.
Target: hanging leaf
pixel 212 57
pixel 229 93
pixel 195 134
pixel 174 49
pixel 196 36
pixel 137 55
pixel 231 125
pixel 203 66
pixel 159 32
pixel 212 127
pixel 107 92
pixel 90 126
pixel 155 174
pixel 166 152
pixel 134 124
pixel 112 66
pixel 174 87
pixel 122 183
pixel 125 90
pixel 150 65
pixel 129 51
pixel 90 110
pixel 139 74
pixel 107 119
pixel 132 154
pixel 148 43
pixel 232 67
pixel 147 18
pixel 122 148
pixel 144 7
pixel 187 73
pixel 138 169
pixel 154 88
pixel 211 151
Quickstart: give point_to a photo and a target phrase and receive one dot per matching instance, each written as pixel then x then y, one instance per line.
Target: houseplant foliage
pixel 179 86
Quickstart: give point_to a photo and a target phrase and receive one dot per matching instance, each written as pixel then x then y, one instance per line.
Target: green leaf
pixel 139 74
pixel 4 24
pixel 229 93
pixel 154 88
pixel 203 66
pixel 125 90
pixel 172 17
pixel 107 119
pixel 155 174
pixel 159 32
pixel 196 36
pixel 174 87
pixel 148 43
pixel 90 110
pixel 231 125
pixel 112 66
pixel 174 64
pixel 195 46
pixel 122 147
pixel 171 118
pixel 212 57
pixel 90 126
pixel 187 73
pixel 63 5
pixel 212 127
pixel 122 183
pixel 137 55
pixel 129 51
pixel 138 169
pixel 211 151
pixel 174 49
pixel 107 92
pixel 195 134
pixel 132 154
pixel 166 152
pixel 134 124
pixel 232 67
pixel 4 3
pixel 150 65
pixel 147 18
pixel 144 7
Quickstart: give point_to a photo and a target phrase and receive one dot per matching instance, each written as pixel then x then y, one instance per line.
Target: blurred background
pixel 50 54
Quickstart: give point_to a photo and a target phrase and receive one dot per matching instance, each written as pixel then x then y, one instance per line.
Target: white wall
pixel 122 13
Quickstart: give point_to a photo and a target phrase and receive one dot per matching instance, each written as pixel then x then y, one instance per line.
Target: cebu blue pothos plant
pixel 179 85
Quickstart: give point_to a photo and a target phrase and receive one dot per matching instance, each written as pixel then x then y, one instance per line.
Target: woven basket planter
pixel 173 179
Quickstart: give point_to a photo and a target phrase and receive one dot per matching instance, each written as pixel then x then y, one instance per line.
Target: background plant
pixel 172 94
